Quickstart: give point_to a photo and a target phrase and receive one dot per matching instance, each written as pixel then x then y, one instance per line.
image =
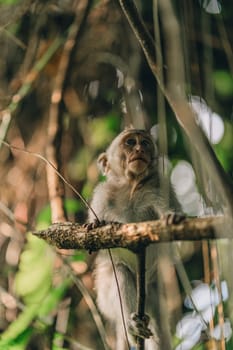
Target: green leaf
pixel 17 334
pixel 58 337
pixel 223 82
pixel 33 280
pixel 52 300
pixel 19 343
pixel 21 324
pixel 79 256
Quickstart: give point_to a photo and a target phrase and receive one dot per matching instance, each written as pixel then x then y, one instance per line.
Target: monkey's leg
pixel 116 304
pixel 127 304
pixel 139 322
pixel 136 327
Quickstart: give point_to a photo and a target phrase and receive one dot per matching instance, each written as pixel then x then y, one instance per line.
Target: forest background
pixel 72 75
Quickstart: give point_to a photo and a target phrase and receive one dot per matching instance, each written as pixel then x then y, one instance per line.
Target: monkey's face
pixel 131 155
pixel 137 153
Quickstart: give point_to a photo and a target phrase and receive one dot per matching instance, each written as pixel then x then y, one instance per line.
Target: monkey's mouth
pixel 138 159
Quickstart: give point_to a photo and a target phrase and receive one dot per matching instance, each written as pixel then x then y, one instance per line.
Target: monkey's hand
pixel 94 224
pixel 98 223
pixel 174 218
pixel 139 327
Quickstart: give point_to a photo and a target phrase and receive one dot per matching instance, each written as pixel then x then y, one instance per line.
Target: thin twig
pixel 48 163
pixel 89 300
pixel 120 298
pixel 6 114
pixel 216 278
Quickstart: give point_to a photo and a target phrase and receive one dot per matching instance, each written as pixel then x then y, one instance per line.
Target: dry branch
pixel 133 235
pixel 25 88
pixel 55 126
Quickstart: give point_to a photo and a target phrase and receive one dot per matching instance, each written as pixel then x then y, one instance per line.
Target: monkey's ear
pixel 154 131
pixel 102 162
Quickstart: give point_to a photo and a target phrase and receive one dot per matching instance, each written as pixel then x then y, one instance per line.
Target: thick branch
pixel 134 235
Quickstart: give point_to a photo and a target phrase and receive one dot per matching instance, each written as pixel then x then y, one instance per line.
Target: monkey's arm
pixel 99 204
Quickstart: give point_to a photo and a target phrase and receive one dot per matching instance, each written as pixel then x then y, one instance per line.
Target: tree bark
pixel 134 235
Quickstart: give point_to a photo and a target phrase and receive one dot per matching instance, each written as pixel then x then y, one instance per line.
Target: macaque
pixel 130 193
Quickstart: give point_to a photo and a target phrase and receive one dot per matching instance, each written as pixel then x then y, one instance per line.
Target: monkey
pixel 130 193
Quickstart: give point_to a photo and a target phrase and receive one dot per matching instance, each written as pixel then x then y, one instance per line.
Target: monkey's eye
pixel 145 143
pixel 130 142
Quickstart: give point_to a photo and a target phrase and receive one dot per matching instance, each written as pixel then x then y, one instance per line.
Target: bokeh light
pixel 211 123
pixel 183 180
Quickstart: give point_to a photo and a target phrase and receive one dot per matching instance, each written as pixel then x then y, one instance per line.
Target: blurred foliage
pixel 43 219
pixel 224 148
pixel 223 82
pixel 8 2
pixel 107 85
pixel 33 280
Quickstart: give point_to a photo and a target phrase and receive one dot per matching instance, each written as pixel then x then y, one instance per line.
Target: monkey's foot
pixel 138 327
pixel 174 218
pixel 94 224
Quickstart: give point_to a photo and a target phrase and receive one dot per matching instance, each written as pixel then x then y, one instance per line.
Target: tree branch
pixel 56 187
pixel 134 235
